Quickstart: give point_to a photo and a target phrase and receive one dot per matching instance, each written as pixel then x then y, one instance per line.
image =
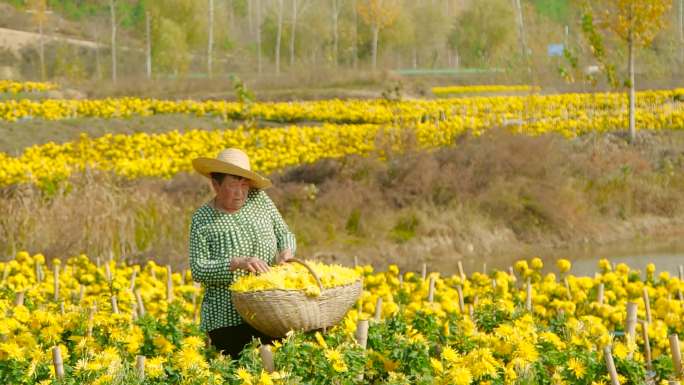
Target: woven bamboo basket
pixel 275 312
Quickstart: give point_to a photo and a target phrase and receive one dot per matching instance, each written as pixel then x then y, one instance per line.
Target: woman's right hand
pixel 251 264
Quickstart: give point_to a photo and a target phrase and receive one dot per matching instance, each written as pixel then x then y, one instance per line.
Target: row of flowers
pixel 271 149
pixel 479 329
pixel 479 89
pixel 346 111
pixel 13 87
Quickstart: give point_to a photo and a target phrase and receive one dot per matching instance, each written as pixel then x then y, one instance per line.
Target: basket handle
pixel 299 261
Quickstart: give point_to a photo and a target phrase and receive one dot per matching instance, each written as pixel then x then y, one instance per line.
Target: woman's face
pixel 232 192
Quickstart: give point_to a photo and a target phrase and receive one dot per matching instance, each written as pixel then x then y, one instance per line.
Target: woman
pixel 238 232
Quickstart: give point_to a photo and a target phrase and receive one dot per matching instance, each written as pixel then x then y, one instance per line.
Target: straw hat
pixel 231 161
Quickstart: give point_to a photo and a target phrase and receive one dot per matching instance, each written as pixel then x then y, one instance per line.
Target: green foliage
pixel 405 229
pixel 482 30
pixel 489 316
pixel 353 225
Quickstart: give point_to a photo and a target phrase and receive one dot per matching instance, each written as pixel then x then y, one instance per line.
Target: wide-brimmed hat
pixel 231 161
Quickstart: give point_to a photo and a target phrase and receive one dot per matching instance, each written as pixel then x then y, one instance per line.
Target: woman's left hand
pixel 284 256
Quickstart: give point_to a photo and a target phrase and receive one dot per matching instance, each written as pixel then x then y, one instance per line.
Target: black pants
pixel 231 340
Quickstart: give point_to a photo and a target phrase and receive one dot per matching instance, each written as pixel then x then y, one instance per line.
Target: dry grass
pixel 486 196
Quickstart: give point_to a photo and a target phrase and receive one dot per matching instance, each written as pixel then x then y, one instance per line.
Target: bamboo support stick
pixel 461 272
pixel 431 290
pixel 57 362
pixel 631 320
pixel 566 283
pixel 81 293
pixel 169 284
pixel 267 358
pixel 647 304
pixel 132 286
pixel 356 261
pixel 647 345
pixel 141 305
pixel 484 268
pixel 378 309
pixel 55 275
pixel 5 273
pixel 423 271
pixel 140 367
pixel 610 364
pixel 108 272
pixel 115 305
pixel 461 300
pixel 528 296
pixel 91 318
pixel 601 293
pixel 362 332
pixel 676 355
pixel 19 298
pixel 681 272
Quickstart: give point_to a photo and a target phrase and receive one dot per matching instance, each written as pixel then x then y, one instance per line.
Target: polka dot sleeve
pixel 205 269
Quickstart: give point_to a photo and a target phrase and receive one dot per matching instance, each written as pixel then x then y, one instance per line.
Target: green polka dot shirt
pixel 216 237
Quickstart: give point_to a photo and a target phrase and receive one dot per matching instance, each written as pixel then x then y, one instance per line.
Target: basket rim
pixel 233 292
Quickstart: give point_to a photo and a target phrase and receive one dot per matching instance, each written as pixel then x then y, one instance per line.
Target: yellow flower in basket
pixel 294 276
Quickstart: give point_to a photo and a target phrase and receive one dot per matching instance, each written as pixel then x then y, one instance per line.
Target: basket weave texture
pixel 275 312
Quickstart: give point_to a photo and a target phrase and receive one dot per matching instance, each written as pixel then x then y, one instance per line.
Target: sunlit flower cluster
pixel 479 89
pixel 13 87
pixel 461 329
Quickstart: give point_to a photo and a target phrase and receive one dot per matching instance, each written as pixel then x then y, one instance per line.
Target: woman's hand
pixel 252 264
pixel 284 256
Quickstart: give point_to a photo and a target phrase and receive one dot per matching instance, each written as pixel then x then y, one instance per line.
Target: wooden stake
pixel 108 273
pixel 460 270
pixel 81 293
pixel 631 321
pixel 91 317
pixel 567 288
pixel 55 274
pixel 132 286
pixel 169 284
pixel 484 268
pixel 356 261
pixel 681 272
pixel 57 362
pixel 647 303
pixel 115 305
pixel 140 367
pixel 361 336
pixel 601 290
pixel 19 298
pixel 676 355
pixel 267 358
pixel 423 271
pixel 461 300
pixel 610 364
pixel 528 296
pixel 141 305
pixel 362 332
pixel 431 290
pixel 378 309
pixel 5 273
pixel 647 345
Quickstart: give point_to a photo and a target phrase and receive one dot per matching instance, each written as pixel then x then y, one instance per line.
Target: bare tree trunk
pixel 42 51
pixel 335 16
pixel 293 32
pixel 521 27
pixel 632 94
pixel 148 53
pixel 210 43
pixel 250 23
pixel 414 55
pixel 376 31
pixel 681 32
pixel 279 34
pixel 258 33
pixel 113 14
pixel 355 49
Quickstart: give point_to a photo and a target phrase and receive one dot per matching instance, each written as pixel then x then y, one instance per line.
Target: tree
pixel 40 11
pixel 296 10
pixel 634 22
pixel 336 8
pixel 481 30
pixel 112 9
pixel 210 38
pixel 377 14
pixel 279 36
